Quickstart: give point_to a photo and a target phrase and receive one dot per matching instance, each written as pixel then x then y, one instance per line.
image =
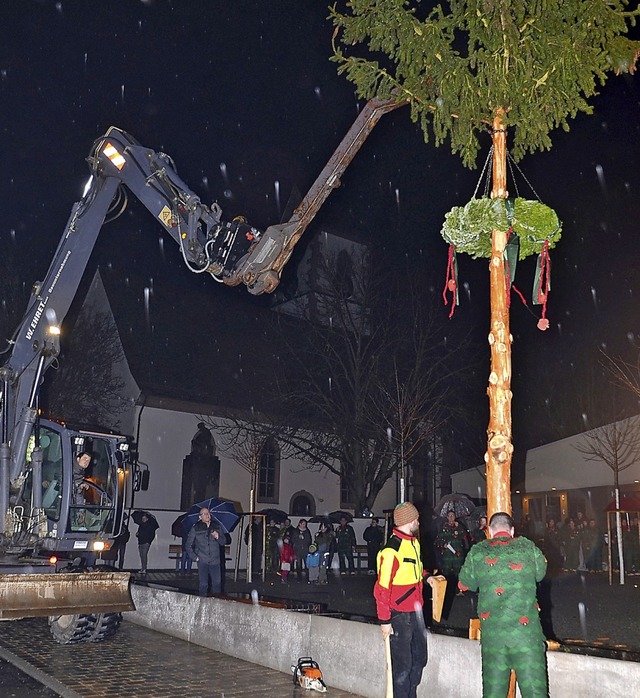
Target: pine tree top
pixel 458 63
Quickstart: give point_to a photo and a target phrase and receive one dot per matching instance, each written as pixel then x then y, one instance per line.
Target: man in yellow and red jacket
pixel 398 595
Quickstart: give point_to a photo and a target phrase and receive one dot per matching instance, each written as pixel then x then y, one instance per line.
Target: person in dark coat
pixel 145 535
pixel 479 533
pixel 592 546
pixel 324 542
pixel 345 544
pixel 286 529
pixel 204 546
pixel 373 536
pixel 254 529
pixel 301 541
pixel 571 540
pixel 120 543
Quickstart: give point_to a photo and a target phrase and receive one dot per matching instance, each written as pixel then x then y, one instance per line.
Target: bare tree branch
pixel 625 374
pixel 86 388
pixel 372 377
pixel 617 444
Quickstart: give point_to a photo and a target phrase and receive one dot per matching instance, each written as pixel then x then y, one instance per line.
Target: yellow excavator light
pixel 111 152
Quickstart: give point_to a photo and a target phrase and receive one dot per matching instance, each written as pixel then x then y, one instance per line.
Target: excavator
pixel 54 521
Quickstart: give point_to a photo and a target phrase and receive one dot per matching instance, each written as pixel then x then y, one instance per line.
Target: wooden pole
pixel 499 446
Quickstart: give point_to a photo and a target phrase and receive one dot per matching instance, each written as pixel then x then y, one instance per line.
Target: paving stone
pixel 141 662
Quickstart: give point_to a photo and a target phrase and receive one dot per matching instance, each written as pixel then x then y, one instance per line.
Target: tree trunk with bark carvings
pixel 499 446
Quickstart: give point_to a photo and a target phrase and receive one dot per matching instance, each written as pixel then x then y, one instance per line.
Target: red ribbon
pixel 543 287
pixel 450 283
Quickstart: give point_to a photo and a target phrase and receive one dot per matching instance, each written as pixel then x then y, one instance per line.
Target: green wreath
pixel 469 227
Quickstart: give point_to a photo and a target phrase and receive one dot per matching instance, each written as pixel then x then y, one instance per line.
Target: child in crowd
pixel 287 558
pixel 313 564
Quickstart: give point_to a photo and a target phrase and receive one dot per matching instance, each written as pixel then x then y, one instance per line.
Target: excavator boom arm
pixel 260 270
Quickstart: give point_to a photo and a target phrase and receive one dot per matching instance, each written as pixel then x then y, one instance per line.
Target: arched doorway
pixel 302 504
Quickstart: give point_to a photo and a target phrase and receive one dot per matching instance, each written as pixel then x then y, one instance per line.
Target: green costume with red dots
pixel 504 570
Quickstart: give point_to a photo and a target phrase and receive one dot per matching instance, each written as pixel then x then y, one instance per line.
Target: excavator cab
pixel 77 516
pixel 83 506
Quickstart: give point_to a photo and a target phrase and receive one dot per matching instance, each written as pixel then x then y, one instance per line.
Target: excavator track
pixel 77 628
pixel 104 626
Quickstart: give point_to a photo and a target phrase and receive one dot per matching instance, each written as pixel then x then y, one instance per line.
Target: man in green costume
pixel 505 570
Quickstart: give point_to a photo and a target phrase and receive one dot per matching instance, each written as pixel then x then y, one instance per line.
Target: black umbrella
pixel 320 519
pixel 335 516
pixel 460 504
pixel 178 528
pixel 276 515
pixel 137 518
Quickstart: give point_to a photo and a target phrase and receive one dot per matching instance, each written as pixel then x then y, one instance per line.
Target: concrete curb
pixel 351 654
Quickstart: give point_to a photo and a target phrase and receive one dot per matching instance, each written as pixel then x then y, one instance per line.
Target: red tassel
pixel 545 285
pixel 450 283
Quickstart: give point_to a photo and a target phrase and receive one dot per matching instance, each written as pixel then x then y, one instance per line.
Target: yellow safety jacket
pixel 400 574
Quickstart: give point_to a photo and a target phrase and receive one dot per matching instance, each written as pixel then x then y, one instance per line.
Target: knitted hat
pixel 404 513
pixel 313 548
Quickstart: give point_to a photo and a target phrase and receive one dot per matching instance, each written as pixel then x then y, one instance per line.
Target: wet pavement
pixel 141 662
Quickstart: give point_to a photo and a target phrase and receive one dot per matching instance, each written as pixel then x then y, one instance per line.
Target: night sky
pixel 242 95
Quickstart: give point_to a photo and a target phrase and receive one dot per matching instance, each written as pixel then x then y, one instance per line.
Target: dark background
pixel 242 95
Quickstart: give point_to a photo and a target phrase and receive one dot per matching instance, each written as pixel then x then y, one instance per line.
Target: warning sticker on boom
pixel 166 216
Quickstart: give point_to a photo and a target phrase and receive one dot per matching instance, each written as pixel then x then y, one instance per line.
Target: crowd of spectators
pixel 295 553
pixel 579 544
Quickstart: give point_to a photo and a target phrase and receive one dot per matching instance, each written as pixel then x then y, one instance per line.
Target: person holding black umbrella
pixel 204 545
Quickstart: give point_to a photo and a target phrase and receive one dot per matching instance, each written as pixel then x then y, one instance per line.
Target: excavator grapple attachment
pixel 27 595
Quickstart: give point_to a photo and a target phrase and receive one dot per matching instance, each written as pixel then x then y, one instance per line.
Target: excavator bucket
pixel 26 595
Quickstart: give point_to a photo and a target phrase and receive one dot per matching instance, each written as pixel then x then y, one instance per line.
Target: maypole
pixel 499 446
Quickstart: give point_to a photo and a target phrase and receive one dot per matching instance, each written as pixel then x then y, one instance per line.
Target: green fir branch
pixel 459 62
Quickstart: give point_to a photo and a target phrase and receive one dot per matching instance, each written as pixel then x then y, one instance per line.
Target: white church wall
pixel 164 439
